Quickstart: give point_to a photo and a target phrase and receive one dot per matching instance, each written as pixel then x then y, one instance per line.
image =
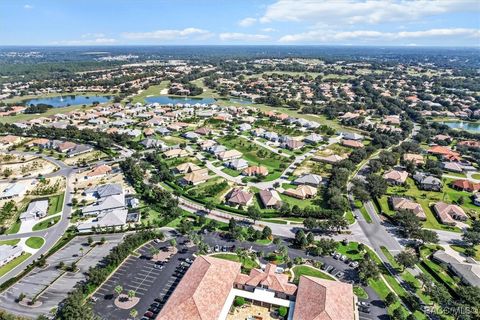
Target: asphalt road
pixel 54 233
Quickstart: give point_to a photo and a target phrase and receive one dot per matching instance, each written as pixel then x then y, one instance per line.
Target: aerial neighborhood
pixel 265 187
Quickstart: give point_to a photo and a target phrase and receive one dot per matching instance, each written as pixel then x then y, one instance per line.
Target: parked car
pixel 148 314
pixel 158 267
pixel 336 256
pixel 216 248
pixel 354 264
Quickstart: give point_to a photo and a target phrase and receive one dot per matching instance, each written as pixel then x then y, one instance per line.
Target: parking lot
pixel 49 284
pixel 152 282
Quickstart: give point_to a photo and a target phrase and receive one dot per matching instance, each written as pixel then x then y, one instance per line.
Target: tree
pixel 131 294
pixel 377 185
pixel 209 206
pixel 266 232
pixel 254 214
pixel 89 241
pixel 391 298
pixel 300 239
pixel 173 242
pixel 368 269
pixel 133 313
pixel 118 289
pixel 74 308
pixel 398 314
pixel 407 259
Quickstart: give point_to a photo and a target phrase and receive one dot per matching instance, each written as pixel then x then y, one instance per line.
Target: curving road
pixel 54 233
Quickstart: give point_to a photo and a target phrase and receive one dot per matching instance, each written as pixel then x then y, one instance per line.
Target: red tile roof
pixel 268 279
pixel 319 299
pixel 203 290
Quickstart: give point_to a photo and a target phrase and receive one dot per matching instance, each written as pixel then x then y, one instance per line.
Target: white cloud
pixel 366 36
pixel 247 22
pixel 167 34
pixel 269 30
pixel 84 42
pixel 93 35
pixel 243 37
pixel 28 7
pixel 369 11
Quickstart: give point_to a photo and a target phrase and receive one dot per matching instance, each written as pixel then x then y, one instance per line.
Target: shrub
pixel 239 301
pixel 282 311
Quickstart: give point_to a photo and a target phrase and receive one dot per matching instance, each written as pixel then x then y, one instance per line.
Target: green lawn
pixel 350 217
pixel 476 176
pixel 35 242
pixel 350 250
pixel 263 242
pixel 309 271
pixel 12 264
pixel 256 155
pixel 14 227
pixel 360 292
pixel 150 91
pixel 462 250
pixel 231 172
pixel 10 242
pixel 426 199
pixel 247 263
pixel 46 224
pixel 391 258
pixel 55 203
pixel 365 214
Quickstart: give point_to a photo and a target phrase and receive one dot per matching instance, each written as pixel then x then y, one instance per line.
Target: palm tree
pixel 118 289
pixel 131 294
pixel 133 313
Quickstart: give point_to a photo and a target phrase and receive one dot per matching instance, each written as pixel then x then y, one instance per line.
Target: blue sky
pixel 162 22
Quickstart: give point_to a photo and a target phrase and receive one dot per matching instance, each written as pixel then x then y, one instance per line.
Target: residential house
pixel 310 179
pixel 237 164
pixel 466 185
pixel 239 197
pixel 195 177
pixel 292 144
pixel 313 138
pixel 395 177
pixel 36 210
pixel 9 253
pixel 449 213
pixel 229 155
pixel 399 203
pixel 13 190
pixel 186 167
pixel 175 153
pixel 270 199
pixel 417 159
pixel 255 171
pixel 352 143
pixel 468 272
pixel 332 159
pixel 302 192
pixel 427 182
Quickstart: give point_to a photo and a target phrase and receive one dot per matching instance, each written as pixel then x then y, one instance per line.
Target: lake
pixel 73 100
pixel 174 100
pixel 463 125
pixel 241 101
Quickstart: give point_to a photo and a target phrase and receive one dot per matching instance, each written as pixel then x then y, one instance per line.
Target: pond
pixel 463 125
pixel 241 101
pixel 174 100
pixel 71 100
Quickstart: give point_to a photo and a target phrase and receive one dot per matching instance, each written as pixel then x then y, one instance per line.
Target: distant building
pixel 8 253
